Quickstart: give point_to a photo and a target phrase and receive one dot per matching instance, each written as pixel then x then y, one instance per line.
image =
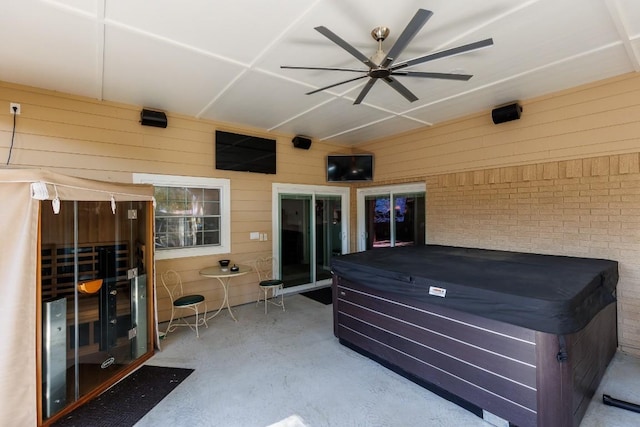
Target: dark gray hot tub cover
pixel 547 293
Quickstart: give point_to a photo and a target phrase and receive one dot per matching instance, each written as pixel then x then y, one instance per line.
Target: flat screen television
pixel 244 153
pixel 346 168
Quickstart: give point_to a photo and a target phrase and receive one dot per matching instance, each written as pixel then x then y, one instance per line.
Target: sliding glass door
pixel 391 216
pixel 328 212
pixel 295 239
pixel 309 230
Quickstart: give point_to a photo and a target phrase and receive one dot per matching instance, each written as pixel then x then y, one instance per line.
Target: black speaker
pixel 153 118
pixel 506 113
pixel 301 142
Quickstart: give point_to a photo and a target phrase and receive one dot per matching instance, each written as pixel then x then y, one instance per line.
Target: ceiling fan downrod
pixel 379 34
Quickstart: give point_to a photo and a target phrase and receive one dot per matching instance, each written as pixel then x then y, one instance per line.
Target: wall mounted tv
pixel 244 153
pixel 345 168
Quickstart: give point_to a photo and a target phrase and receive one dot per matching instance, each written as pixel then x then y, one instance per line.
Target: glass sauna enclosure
pixel 95 313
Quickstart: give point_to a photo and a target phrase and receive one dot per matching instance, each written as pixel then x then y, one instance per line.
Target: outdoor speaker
pixel 153 118
pixel 506 113
pixel 301 142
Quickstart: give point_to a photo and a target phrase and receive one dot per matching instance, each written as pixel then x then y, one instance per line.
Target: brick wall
pixel 586 207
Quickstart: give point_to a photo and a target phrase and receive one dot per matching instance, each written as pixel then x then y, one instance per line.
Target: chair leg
pixel 281 288
pixel 197 321
pixel 263 296
pixel 200 319
pixel 170 322
pixel 266 295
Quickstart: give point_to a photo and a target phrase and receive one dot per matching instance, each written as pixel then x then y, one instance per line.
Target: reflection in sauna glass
pixel 93 288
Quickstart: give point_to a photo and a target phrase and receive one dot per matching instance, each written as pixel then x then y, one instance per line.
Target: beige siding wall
pixel 564 179
pixel 589 121
pixel 103 140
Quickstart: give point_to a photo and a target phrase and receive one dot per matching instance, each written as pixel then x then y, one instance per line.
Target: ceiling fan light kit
pixel 382 64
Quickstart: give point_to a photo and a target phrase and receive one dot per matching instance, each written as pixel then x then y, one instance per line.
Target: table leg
pixel 224 281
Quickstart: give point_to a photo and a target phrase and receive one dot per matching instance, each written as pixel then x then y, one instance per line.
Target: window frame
pixel 221 184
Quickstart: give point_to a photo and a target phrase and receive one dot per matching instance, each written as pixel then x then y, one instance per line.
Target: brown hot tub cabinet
pixel 525 337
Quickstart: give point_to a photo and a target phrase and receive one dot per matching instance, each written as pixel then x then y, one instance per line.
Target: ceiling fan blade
pixel 346 46
pixel 400 88
pixel 417 22
pixel 365 90
pixel 335 84
pixel 445 76
pixel 444 53
pixel 291 67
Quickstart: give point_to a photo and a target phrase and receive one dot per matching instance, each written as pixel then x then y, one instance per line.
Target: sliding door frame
pixel 391 191
pixel 279 189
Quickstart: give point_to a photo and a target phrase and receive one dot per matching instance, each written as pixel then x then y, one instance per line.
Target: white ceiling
pixel 220 60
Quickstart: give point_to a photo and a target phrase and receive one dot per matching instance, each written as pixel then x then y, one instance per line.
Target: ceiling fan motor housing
pixel 379 73
pixel 380 33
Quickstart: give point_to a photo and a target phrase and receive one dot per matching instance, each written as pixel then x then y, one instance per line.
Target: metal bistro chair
pixel 267 283
pixel 181 303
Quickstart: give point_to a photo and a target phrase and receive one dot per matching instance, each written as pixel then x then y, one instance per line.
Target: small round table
pixel 224 277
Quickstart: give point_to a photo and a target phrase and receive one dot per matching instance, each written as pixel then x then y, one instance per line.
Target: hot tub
pixel 525 337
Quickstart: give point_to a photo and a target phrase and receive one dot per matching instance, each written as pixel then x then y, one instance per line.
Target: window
pixel 192 215
pixel 187 216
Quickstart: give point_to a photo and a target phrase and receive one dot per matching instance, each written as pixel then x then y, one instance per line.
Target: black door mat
pixel 127 401
pixel 322 295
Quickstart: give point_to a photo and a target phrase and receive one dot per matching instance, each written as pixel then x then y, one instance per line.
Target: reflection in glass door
pixel 295 238
pixel 397 224
pixel 310 232
pixel 328 233
pixel 391 216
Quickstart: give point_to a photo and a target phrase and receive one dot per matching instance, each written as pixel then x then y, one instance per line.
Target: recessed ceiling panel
pixel 340 113
pixel 392 126
pixel 245 101
pixel 48 47
pixel 629 11
pixel 534 37
pixel 145 71
pixel 239 30
pixel 81 6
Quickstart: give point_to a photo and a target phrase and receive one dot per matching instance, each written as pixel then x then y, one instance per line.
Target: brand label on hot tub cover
pixel 437 292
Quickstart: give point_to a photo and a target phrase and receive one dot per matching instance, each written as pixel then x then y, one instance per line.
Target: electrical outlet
pixel 16 106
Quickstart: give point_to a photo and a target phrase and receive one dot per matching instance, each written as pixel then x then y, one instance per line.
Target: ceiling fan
pixel 381 65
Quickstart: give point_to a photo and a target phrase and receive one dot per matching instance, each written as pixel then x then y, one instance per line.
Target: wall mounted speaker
pixel 506 113
pixel 301 142
pixel 153 118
